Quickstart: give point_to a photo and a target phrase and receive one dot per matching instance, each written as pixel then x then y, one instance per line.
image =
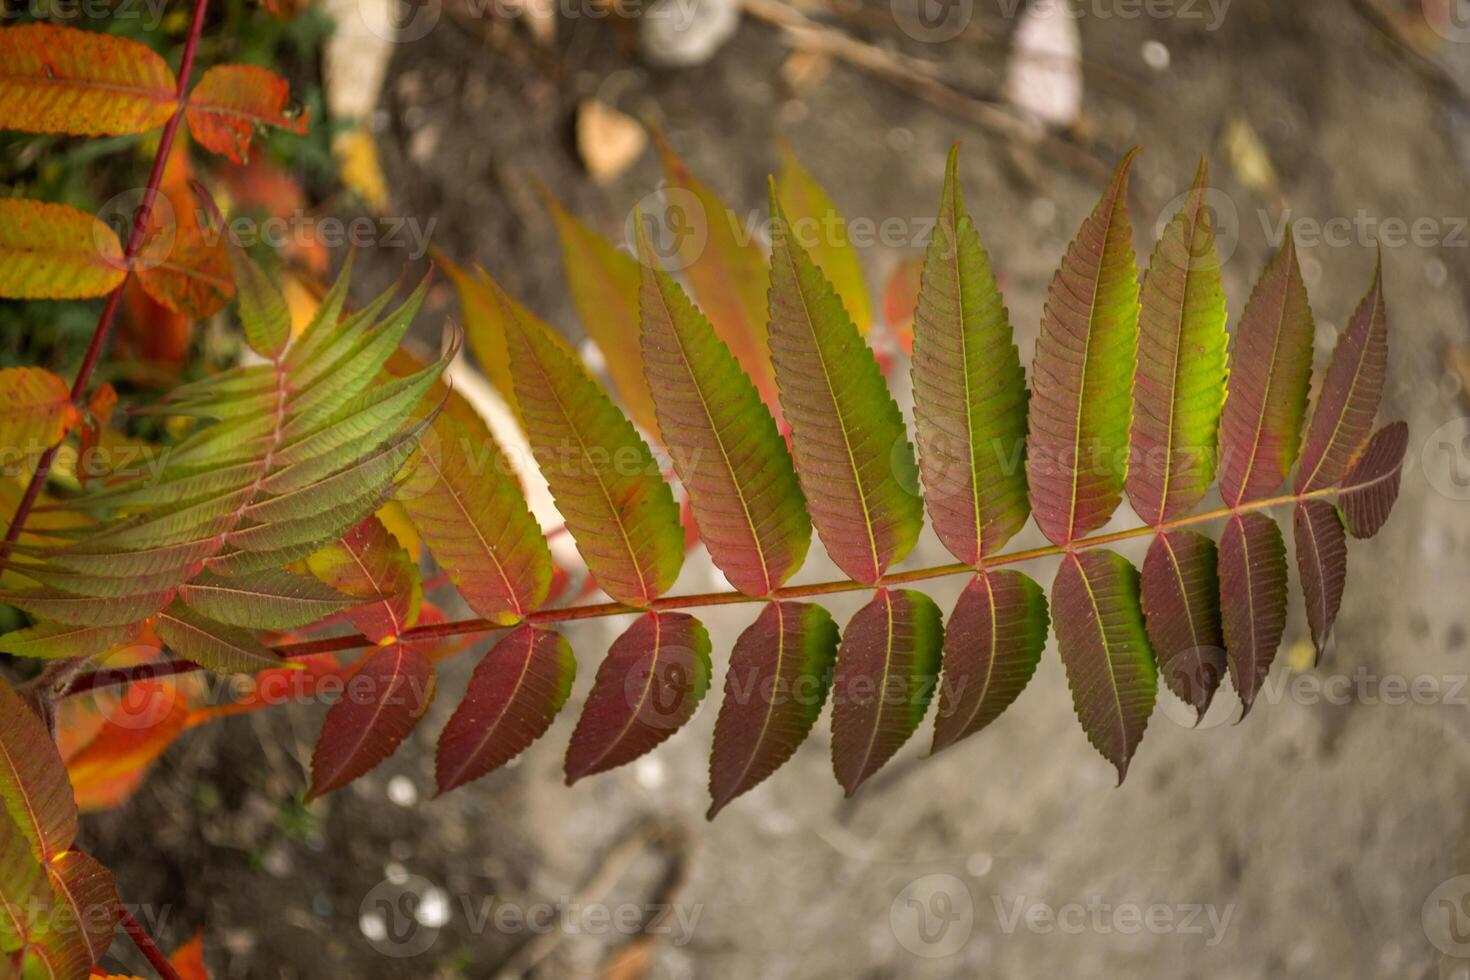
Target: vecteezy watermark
pixel 1446 917
pixel 933 916
pixel 937 21
pixel 1450 19
pixel 1098 916
pixel 148 12
pixel 1445 459
pixel 1365 230
pixel 403 915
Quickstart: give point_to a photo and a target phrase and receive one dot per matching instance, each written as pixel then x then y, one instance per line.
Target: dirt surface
pixel 1322 837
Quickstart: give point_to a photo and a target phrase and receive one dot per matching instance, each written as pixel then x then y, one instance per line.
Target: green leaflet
pixel 271 599
pixel 82 610
pixel 604 286
pixel 853 457
pixel 464 500
pixel 725 268
pixel 1076 451
pixel 969 390
pixel 216 646
pixel 49 641
pixel 22 886
pixel 1104 645
pixel 1179 383
pixel 263 312
pixel 1270 375
pixel 33 784
pixel 602 475
pixel 724 444
pixel 821 231
pixel 321 330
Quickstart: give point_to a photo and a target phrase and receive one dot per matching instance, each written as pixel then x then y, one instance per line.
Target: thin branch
pixel 146 945
pixel 463 627
pixel 114 299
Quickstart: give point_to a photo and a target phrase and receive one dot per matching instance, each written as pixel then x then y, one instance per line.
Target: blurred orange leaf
pixel 52 251
pixel 231 100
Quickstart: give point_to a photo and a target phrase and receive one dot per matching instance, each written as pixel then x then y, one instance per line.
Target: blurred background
pixel 1323 837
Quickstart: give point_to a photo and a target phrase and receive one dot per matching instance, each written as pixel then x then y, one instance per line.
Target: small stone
pixel 683 33
pixel 608 141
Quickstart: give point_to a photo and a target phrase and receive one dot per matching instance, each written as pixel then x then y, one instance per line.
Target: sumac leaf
pixel 602 474
pixel 775 687
pixel 231 100
pixel 381 704
pixel 82 610
pixel 1342 417
pixel 78 929
pixel 272 599
pixel 1179 382
pixel 1104 646
pixel 1181 607
pixel 466 504
pixel 33 785
pixel 513 696
pixel 23 886
pixel 50 641
pixel 223 649
pixel 1252 600
pixel 1372 485
pixel 263 312
pixel 821 231
pixel 646 688
pixel 1270 376
pixel 369 562
pixel 853 457
pixel 64 80
pixel 1321 560
pixel 1076 451
pixel 35 410
pixel 604 282
pixel 724 444
pixel 969 389
pixel 992 644
pixel 724 266
pixel 887 667
pixel 53 251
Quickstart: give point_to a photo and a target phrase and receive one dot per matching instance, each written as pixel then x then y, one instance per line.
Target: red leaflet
pixel 887 667
pixel 514 695
pixel 1252 599
pixel 1076 451
pixel 63 80
pixel 647 687
pixel 33 784
pixel 1181 606
pixel 1372 485
pixel 381 704
pixel 369 561
pixel 79 928
pixel 113 763
pixel 231 100
pixel 1348 401
pixel 774 691
pixel 1104 646
pixel 1321 560
pixel 992 644
pixel 1270 373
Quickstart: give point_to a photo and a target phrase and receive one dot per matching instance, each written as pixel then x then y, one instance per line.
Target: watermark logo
pixel 933 916
pixel 1450 19
pixel 118 215
pixel 402 915
pixel 675 224
pixel 1445 459
pixel 932 21
pixel 1446 917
